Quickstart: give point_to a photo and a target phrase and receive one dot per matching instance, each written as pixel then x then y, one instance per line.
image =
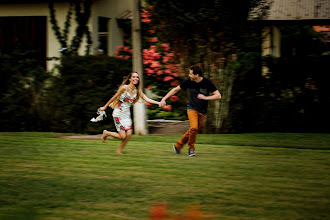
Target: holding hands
pixel 162 103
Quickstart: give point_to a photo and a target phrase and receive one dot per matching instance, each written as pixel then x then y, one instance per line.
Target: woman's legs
pixel 124 136
pixel 121 135
pixel 124 142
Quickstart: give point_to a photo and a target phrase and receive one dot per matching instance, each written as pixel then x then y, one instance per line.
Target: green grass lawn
pixel 232 176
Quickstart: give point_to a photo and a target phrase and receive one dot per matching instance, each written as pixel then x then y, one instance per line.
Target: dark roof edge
pixel 293 22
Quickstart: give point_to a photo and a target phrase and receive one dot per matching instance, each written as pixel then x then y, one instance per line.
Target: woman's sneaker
pixel 191 153
pixel 176 151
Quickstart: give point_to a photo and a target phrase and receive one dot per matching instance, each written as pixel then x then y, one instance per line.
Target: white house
pixel 28 22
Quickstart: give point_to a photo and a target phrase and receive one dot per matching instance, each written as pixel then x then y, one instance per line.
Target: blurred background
pixel 61 60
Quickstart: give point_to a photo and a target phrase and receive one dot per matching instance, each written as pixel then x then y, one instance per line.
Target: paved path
pixel 155 128
pixel 83 137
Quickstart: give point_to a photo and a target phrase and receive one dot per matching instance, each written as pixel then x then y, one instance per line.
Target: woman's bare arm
pixel 118 93
pixel 145 98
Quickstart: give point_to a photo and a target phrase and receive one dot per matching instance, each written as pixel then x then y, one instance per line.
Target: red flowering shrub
pixel 174 98
pixel 124 52
pixel 167 108
pixel 159 62
pixel 161 66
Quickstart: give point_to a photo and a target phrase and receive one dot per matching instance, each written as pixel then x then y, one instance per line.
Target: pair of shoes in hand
pixel 100 117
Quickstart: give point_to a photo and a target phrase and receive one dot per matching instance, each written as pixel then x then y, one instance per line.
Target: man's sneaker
pixel 176 151
pixel 191 153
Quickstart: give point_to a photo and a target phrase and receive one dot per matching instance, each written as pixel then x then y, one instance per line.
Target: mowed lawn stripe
pixel 85 179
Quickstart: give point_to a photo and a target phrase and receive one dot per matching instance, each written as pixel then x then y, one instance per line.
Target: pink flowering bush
pixel 159 62
pixel 161 67
pixel 167 108
pixel 124 52
pixel 174 98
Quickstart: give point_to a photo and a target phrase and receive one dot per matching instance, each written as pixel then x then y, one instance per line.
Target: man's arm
pixel 215 96
pixel 169 94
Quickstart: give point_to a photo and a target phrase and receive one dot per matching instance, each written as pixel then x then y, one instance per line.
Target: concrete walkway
pixel 156 127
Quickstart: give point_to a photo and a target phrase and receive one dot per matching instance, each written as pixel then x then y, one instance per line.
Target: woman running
pixel 126 96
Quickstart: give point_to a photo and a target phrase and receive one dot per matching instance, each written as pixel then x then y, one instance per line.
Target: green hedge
pixel 85 83
pixel 34 100
pixel 22 90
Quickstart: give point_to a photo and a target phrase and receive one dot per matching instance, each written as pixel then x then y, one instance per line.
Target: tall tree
pixel 214 34
pixel 140 116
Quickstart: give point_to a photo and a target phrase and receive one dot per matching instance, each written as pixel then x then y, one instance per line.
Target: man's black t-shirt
pixel 203 87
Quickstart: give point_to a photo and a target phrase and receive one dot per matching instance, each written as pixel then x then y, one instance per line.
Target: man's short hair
pixel 197 69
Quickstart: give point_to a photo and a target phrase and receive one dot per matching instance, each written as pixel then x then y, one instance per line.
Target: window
pixel 28 33
pixel 103 24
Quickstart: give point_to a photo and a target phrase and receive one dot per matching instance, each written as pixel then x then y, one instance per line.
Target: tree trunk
pixel 140 115
pixel 223 77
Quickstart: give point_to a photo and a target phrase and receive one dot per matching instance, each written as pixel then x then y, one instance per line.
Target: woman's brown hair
pixel 126 82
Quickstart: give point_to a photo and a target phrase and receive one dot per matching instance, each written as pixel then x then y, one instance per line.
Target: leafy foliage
pixel 213 34
pixel 82 11
pixel 292 96
pixel 199 27
pixel 66 100
pixel 161 68
pixel 23 84
pixel 217 35
pixel 62 38
pixel 85 83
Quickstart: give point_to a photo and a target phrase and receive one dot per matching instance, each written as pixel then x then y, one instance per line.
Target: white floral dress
pixel 122 114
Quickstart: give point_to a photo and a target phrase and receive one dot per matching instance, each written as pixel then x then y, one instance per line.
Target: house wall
pixel 104 8
pixel 110 9
pixel 41 9
pixel 271 43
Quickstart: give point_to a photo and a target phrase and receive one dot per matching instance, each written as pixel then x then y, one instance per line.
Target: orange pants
pixel 196 120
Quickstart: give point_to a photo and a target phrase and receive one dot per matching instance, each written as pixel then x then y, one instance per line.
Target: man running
pixel 199 87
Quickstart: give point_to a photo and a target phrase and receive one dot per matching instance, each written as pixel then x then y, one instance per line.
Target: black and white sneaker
pixel 191 153
pixel 176 151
